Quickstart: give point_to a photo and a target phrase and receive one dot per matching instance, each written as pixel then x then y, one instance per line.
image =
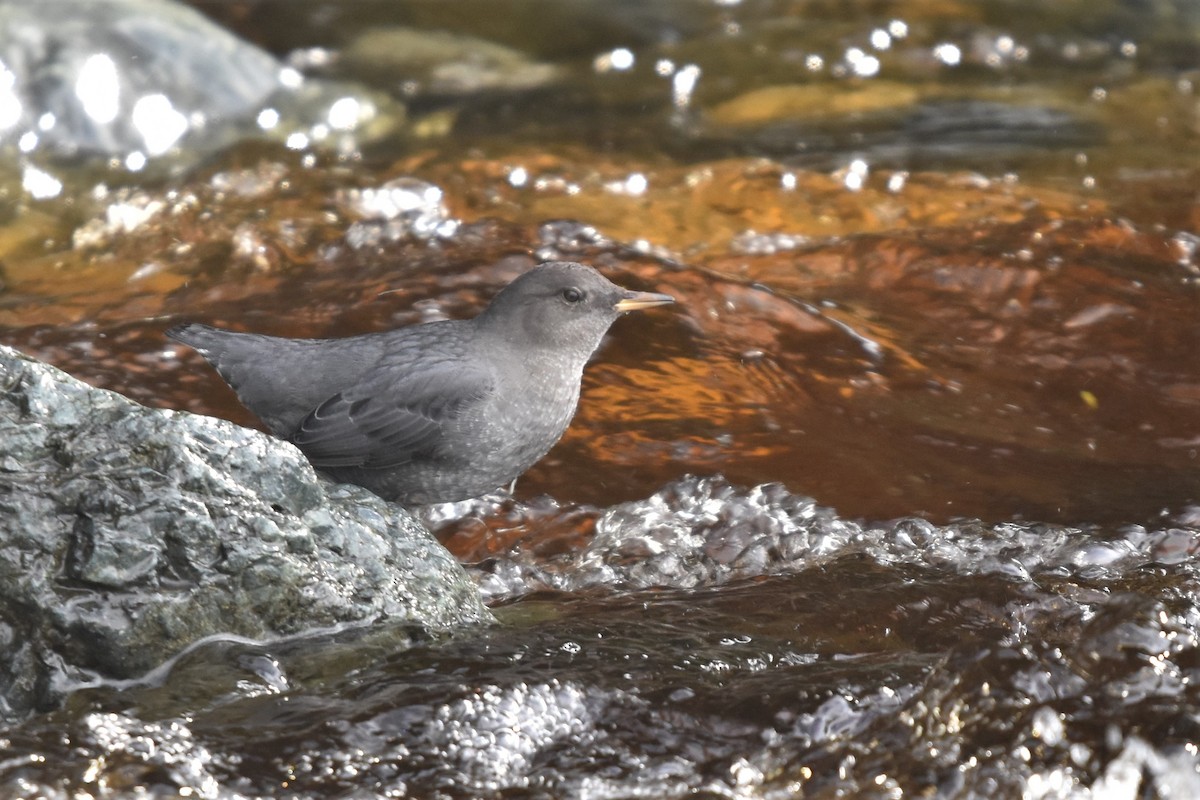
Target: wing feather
pixel 383 425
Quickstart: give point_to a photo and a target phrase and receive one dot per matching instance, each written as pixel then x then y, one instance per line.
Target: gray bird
pixel 435 412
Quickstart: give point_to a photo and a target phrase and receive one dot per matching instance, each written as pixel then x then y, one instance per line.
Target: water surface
pixel 934 261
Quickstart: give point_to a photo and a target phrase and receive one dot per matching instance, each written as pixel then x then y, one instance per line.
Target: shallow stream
pixel 900 499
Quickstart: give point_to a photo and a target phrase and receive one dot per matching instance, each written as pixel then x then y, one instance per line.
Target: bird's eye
pixel 572 295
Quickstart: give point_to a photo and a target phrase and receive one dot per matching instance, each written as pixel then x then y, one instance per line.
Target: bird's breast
pixel 525 415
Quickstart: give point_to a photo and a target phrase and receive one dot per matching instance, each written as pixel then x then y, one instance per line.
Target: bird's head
pixel 562 306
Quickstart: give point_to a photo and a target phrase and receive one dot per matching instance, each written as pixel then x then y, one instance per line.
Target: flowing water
pixel 898 500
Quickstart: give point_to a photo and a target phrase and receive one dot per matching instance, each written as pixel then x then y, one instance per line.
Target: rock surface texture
pixel 128 533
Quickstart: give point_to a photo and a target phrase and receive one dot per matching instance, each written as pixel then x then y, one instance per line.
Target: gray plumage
pixel 434 412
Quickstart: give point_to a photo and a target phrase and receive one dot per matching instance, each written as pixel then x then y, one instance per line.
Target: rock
pixel 111 76
pixel 812 101
pixel 443 63
pixel 136 80
pixel 128 533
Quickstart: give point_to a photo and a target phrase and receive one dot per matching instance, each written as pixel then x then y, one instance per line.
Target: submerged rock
pixel 128 533
pixel 443 63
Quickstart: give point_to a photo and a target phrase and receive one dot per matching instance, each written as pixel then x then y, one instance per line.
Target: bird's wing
pixel 386 425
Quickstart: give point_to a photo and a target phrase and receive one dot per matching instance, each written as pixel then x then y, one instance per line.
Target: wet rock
pixel 811 101
pixel 443 63
pixel 903 134
pixel 128 533
pixel 139 79
pixel 120 75
pixel 924 672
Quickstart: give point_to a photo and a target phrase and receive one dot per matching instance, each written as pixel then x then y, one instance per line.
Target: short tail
pixel 198 337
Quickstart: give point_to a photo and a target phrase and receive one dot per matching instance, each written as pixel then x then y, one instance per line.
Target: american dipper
pixel 434 412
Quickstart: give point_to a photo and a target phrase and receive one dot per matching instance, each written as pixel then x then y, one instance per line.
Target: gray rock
pixel 154 78
pixel 127 533
pixel 79 69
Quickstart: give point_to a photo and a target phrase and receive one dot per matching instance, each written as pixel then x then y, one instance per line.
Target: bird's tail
pixel 204 339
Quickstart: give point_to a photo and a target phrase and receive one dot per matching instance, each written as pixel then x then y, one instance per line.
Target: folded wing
pixel 377 426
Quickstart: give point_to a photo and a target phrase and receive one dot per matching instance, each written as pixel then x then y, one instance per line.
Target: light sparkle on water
pixel 620 59
pixel 98 88
pixel 947 53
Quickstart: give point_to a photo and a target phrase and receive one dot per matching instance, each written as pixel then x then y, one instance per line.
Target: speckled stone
pixel 127 533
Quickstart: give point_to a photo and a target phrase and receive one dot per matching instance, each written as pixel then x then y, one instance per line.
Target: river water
pixel 898 500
